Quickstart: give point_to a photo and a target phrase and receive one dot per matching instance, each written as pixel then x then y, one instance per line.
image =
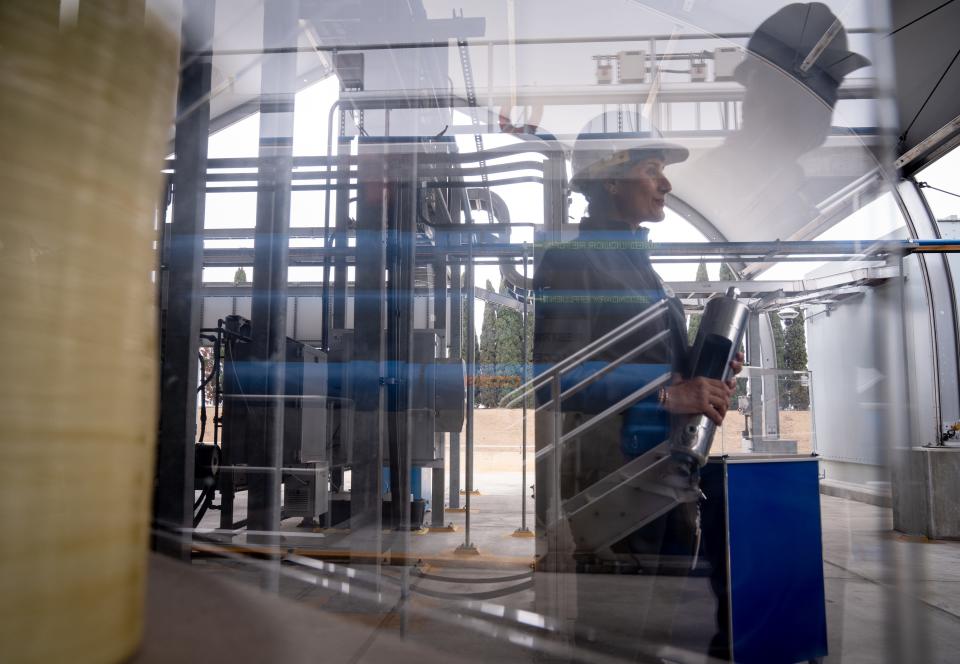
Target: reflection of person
pixel 796 60
pixel 753 186
pixel 588 287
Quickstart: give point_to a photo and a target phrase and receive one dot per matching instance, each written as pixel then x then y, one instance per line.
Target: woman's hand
pixel 737 365
pixel 706 396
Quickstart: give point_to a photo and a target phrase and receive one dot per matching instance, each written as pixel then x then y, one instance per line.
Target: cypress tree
pixel 509 336
pixel 778 338
pixel 488 359
pixel 795 358
pixel 693 326
pixel 726 274
pixel 463 336
pixel 240 276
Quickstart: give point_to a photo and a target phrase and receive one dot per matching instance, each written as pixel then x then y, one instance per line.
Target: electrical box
pixel 698 72
pixel 632 66
pixel 305 491
pixel 604 71
pixel 725 60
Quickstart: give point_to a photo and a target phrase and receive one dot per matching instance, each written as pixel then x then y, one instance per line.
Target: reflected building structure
pixel 405 463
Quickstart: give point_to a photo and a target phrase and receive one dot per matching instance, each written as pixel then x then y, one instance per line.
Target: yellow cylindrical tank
pixel 86 104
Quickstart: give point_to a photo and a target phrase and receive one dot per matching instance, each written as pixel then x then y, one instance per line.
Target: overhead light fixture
pixel 788 313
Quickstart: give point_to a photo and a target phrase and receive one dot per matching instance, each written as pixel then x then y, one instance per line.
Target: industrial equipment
pixel 698 71
pixel 305 424
pixel 632 66
pixel 604 69
pixel 725 60
pixel 718 339
pixel 408 215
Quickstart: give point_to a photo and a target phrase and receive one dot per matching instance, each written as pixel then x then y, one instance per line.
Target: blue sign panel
pixel 776 561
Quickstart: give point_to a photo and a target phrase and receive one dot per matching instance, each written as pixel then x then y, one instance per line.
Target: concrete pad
pixel 869 570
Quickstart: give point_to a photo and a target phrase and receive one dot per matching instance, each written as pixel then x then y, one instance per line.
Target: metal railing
pixel 549 483
pixel 554 374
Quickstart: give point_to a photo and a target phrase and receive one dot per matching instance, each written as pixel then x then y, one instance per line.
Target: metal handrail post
pixel 557 431
pixel 523 435
pixel 467 546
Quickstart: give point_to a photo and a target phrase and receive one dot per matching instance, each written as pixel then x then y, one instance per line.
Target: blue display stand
pixel 775 604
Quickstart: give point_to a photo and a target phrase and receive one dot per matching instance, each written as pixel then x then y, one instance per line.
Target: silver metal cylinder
pixel 721 331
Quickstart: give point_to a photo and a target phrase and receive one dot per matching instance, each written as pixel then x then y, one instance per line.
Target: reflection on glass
pixel 539 332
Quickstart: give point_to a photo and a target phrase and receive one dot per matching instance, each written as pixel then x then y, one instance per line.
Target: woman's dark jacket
pixel 584 289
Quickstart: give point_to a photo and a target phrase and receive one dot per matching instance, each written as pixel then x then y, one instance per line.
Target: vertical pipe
pixel 523 379
pixel 908 633
pixel 437 486
pixel 173 502
pixel 340 285
pixel 771 387
pixel 407 232
pixel 367 361
pixel 456 350
pixel 471 383
pixel 271 249
pixel 227 479
pixel 553 524
pixel 400 334
pixel 217 372
pixel 754 384
pixel 394 342
pixel 490 113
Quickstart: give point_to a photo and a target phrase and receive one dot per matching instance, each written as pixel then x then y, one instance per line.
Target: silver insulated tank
pixel 721 331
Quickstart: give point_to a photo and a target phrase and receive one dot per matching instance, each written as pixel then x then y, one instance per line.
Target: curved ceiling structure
pixel 783 167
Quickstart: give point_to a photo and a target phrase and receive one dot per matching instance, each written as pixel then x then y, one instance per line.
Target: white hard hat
pixel 601 148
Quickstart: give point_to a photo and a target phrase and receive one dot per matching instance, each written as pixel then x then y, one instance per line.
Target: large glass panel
pixel 538 330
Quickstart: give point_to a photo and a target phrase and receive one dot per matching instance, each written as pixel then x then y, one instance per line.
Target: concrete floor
pixel 877 583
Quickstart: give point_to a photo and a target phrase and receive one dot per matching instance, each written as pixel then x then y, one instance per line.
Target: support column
pixel 271 248
pixel 554 192
pixel 456 312
pixel 341 287
pixel 523 531
pixel 400 251
pixel 764 396
pixel 368 350
pixel 438 485
pixel 173 502
pixel 340 236
pixel 468 547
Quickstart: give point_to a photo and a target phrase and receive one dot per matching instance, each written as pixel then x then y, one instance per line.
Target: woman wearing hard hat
pixel 585 289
